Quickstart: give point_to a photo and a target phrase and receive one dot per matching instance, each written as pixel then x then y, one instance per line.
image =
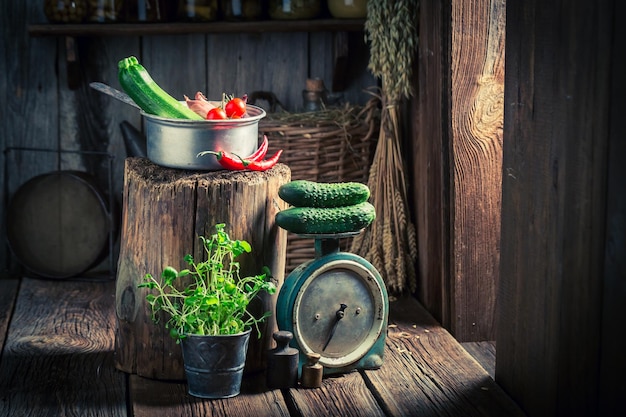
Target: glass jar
pixel 145 11
pixel 348 9
pixel 65 11
pixel 197 10
pixel 242 9
pixel 103 11
pixel 294 9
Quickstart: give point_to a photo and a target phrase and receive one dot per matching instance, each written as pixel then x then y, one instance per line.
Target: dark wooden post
pixel 561 318
pixel 164 212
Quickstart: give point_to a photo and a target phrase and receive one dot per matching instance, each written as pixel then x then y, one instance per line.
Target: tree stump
pixel 164 213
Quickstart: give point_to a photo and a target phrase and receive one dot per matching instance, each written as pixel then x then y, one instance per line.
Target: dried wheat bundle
pixel 390 242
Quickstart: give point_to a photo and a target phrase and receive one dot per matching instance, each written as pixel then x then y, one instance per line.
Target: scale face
pixel 337 306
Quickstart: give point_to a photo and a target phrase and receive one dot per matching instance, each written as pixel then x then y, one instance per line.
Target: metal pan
pixel 58 224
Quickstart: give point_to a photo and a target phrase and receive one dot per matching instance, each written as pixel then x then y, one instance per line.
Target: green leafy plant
pixel 215 299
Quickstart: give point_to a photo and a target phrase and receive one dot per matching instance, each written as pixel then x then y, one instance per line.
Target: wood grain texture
pixel 58 358
pixel 29 109
pixel 430 160
pixel 558 100
pixel 457 155
pixel 58 361
pixel 151 397
pixel 484 353
pixel 477 117
pixel 346 395
pixel 613 364
pixel 46 102
pixel 165 210
pixel 415 381
pixel 8 294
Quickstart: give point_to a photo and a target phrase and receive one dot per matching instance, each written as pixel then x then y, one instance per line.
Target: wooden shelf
pixel 140 29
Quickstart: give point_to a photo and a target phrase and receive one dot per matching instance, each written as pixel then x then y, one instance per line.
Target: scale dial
pixel 336 306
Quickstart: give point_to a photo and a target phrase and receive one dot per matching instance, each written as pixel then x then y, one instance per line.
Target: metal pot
pixel 175 143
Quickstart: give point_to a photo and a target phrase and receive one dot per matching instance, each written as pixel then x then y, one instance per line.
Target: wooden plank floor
pixel 58 351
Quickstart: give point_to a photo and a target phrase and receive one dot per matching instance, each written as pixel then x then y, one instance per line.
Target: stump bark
pixel 164 212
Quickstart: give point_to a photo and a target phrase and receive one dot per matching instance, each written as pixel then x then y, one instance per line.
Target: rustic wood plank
pixel 430 204
pixel 346 395
pixel 177 63
pixel 477 117
pixel 99 116
pixel 427 372
pixel 8 294
pixel 484 353
pixel 554 204
pixel 261 26
pixel 89 131
pixel 244 63
pixel 150 397
pixel 58 357
pixel 613 365
pixel 29 109
pixel 458 133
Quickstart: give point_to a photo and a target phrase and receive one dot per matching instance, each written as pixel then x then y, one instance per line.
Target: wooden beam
pixel 458 161
pixel 559 97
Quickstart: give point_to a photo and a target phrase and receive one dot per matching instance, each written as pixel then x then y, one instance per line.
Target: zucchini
pixel 303 193
pixel 319 220
pixel 139 85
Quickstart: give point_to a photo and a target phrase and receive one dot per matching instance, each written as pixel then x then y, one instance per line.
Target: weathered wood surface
pixel 457 146
pixel 58 361
pixel 417 381
pixel 346 395
pixel 429 156
pixel 8 293
pixel 47 103
pixel 165 211
pixel 150 397
pixel 181 28
pixel 58 355
pixel 560 228
pixel 613 365
pixel 484 353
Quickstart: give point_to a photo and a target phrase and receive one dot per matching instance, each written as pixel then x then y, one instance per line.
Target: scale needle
pixel 338 316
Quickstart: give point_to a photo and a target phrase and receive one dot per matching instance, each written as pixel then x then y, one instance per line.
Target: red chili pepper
pixel 264 164
pixel 229 161
pixel 235 163
pixel 260 153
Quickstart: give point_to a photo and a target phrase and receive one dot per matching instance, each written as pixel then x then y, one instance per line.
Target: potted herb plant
pixel 209 315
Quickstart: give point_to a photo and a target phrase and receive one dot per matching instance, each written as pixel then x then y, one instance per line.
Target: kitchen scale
pixel 335 305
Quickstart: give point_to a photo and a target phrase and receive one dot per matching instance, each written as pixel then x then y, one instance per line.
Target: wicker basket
pixel 331 145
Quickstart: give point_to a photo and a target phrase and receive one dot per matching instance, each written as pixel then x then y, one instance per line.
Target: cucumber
pixel 325 220
pixel 303 193
pixel 139 85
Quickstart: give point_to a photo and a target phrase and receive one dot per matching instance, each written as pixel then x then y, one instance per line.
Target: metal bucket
pixel 175 143
pixel 214 364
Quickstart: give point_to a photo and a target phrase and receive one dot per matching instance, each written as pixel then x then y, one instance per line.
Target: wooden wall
pixel 46 102
pixel 561 313
pixel 457 146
